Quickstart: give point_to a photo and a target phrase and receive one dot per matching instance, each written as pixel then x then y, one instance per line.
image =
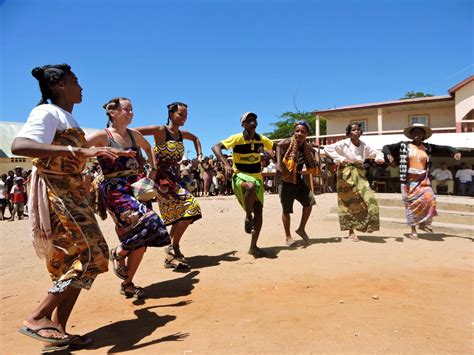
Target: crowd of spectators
pixel 207 178
pixel 14 186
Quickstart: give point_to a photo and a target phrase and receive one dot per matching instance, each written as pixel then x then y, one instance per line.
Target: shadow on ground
pixel 125 335
pixel 203 261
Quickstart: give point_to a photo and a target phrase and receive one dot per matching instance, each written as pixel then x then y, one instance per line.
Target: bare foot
pixel 353 237
pixel 303 235
pixel 257 252
pixel 289 241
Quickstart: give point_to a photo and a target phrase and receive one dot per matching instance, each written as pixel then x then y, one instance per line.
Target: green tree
pixel 284 127
pixel 414 95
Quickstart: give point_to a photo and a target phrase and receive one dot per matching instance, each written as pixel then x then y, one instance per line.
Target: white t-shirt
pixel 3 188
pixel 464 175
pixel 440 174
pixel 44 121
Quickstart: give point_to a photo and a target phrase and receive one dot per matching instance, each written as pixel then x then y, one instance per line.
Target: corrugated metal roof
pixel 9 130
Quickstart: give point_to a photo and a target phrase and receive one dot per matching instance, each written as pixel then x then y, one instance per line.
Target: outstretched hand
pixel 457 156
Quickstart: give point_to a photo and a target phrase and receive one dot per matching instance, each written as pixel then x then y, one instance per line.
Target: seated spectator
pixel 442 177
pixel 465 179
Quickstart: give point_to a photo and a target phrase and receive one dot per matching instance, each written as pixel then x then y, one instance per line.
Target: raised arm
pixel 148 130
pixel 439 149
pixel 217 149
pixel 197 143
pixel 146 146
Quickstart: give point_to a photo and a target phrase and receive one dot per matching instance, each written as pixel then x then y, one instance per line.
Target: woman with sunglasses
pixel 178 207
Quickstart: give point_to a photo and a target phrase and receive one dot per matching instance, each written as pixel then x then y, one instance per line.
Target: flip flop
pixel 34 334
pixel 76 342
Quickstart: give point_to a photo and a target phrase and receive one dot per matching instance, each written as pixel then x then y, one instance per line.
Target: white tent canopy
pixel 457 140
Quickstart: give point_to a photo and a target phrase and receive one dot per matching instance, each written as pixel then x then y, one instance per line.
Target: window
pixel 418 119
pixel 362 123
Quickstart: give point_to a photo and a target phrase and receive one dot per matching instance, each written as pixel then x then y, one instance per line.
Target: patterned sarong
pixel 419 200
pixel 72 243
pixel 175 201
pixel 357 206
pixel 238 179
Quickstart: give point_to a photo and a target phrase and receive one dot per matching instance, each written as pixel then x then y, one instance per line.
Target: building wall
pixel 393 120
pixel 6 164
pixel 464 99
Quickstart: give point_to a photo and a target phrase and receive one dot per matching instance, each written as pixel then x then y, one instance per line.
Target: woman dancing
pixel 65 231
pixel 414 160
pixel 137 226
pixel 357 206
pixel 178 207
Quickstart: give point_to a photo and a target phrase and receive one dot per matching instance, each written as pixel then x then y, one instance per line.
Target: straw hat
pixel 426 129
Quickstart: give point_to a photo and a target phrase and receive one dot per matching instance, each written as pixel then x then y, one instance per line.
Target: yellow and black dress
pixel 175 201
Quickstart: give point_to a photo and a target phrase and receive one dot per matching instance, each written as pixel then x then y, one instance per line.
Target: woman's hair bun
pixel 38 73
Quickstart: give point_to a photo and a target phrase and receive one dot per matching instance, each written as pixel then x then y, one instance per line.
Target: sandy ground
pixel 318 299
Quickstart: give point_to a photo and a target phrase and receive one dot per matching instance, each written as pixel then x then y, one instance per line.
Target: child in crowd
pixel 18 198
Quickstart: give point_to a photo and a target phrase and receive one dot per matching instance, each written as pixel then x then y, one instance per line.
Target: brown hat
pixel 428 131
pixel 246 115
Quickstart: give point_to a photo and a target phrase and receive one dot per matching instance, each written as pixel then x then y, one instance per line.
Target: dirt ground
pixel 385 294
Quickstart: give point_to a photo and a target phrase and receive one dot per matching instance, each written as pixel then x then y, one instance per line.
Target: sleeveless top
pixel 122 163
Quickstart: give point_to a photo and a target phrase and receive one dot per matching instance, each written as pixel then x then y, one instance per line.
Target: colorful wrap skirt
pixel 135 224
pixel 238 179
pixel 174 199
pixel 357 206
pixel 419 200
pixel 65 231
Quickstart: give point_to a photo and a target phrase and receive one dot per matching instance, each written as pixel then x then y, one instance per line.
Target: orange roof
pixel 460 85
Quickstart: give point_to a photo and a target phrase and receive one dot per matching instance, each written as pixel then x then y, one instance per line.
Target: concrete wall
pixel 394 120
pixel 464 99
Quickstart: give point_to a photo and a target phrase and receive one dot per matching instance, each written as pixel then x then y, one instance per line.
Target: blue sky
pixel 226 57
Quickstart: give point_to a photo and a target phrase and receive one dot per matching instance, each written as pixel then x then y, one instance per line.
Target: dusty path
pixel 303 300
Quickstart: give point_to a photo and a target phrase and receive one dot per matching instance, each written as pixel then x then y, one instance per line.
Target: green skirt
pixel 357 206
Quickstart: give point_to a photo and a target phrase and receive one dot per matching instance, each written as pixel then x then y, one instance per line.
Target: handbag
pixel 144 189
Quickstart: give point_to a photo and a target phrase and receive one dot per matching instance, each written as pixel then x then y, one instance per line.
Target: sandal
pixel 172 262
pixel 174 251
pixel 119 270
pixel 137 292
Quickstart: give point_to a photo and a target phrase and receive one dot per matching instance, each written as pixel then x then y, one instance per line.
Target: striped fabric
pixel 246 152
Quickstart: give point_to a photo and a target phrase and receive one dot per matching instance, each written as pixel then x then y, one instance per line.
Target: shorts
pixel 289 192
